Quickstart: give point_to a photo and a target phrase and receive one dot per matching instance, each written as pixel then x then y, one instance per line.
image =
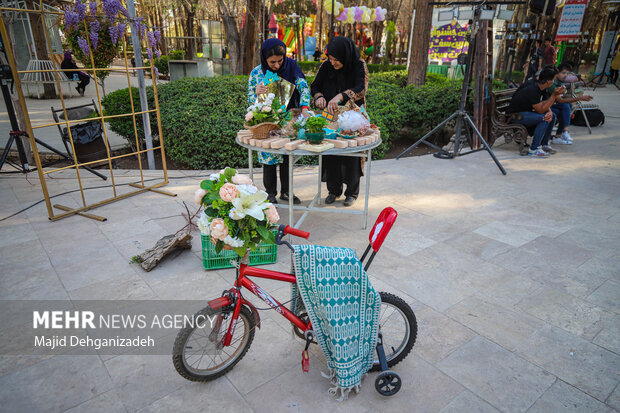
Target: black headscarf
pixel 343 49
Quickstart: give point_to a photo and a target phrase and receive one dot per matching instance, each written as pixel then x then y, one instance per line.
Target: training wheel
pixel 388 383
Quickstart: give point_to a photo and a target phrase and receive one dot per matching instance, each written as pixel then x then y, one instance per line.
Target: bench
pixel 500 121
pixel 37 78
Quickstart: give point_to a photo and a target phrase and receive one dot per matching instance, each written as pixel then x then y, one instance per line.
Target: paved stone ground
pixel 514 281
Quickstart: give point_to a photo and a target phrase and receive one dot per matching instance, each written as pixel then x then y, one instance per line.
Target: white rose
pixel 266 109
pixel 198 195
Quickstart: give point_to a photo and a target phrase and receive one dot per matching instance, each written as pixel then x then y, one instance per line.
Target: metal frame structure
pixel 364 151
pixel 139 186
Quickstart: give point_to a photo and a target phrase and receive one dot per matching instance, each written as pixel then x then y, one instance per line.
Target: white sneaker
pixel 567 137
pixel 560 140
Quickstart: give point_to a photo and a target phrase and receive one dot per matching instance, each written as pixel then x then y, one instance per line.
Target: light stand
pixel 463 120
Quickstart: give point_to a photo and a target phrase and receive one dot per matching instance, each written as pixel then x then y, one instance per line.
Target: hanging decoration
pixel 359 14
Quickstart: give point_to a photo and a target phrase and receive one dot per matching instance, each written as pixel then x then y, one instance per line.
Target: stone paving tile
pixel 501 286
pixel 217 395
pixel 508 234
pixel 107 402
pixel 561 310
pixel 43 387
pixel 438 335
pixel 497 375
pixel 562 397
pixel 478 245
pixel 142 380
pixel 498 324
pixel 607 296
pixel 584 365
pixel 609 337
pixel 468 402
pixel 614 398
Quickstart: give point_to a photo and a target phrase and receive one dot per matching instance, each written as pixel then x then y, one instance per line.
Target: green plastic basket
pixel 264 254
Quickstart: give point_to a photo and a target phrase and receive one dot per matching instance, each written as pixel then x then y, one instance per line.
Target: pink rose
pixel 272 214
pixel 228 192
pixel 249 116
pixel 198 195
pixel 240 179
pixel 266 109
pixel 218 228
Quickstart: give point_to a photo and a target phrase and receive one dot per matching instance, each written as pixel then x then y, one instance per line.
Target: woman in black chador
pixel 343 77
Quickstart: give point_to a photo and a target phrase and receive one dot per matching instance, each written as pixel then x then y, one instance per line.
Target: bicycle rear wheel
pixel 196 354
pixel 398 327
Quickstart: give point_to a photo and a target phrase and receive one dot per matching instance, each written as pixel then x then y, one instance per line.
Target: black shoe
pixel 272 199
pixel 348 201
pixel 284 197
pixel 330 199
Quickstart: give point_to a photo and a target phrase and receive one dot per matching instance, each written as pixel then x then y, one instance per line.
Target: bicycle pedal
pixel 305 361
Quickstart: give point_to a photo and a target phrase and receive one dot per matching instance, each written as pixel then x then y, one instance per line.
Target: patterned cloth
pixel 257 77
pixel 344 310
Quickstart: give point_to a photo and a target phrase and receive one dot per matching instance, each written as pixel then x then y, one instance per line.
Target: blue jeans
pixel 562 112
pixel 542 131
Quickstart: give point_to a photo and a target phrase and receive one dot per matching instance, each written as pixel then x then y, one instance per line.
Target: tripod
pixel 603 77
pixel 463 120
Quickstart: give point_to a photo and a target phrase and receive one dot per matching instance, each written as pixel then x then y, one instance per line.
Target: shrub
pixel 380 67
pixel 308 66
pixel 435 78
pixel 118 102
pixel 176 54
pixel 396 78
pixel 591 57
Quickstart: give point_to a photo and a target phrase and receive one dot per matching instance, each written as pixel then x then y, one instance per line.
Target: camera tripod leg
pixel 486 145
pixel 423 139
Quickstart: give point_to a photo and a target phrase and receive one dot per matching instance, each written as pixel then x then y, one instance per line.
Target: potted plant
pixel 237 216
pixel 314 129
pixel 265 116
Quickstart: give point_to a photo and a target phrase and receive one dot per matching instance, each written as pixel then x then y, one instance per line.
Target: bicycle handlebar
pixel 296 232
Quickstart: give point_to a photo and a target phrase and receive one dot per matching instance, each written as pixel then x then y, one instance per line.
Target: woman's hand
pixel 332 106
pixel 261 89
pixel 320 103
pixel 304 112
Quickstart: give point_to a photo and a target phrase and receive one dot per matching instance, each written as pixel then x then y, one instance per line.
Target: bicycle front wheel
pixel 398 327
pixel 197 354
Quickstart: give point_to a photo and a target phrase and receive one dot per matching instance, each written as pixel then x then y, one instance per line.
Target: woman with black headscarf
pixel 343 77
pixel 273 58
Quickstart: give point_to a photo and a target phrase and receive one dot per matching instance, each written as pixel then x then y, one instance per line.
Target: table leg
pixel 291 162
pixel 251 164
pixel 318 202
pixel 367 194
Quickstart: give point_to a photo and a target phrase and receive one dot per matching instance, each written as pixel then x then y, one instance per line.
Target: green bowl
pixel 315 138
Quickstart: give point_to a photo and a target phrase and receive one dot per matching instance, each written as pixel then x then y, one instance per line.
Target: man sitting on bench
pixel 84 79
pixel 562 106
pixel 536 112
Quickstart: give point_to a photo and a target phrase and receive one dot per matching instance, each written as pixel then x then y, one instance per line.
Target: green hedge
pixel 312 66
pixel 200 117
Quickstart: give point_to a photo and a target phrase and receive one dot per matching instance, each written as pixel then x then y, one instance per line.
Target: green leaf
pixel 229 173
pixel 207 184
pixel 219 245
pixel 240 251
pixel 265 234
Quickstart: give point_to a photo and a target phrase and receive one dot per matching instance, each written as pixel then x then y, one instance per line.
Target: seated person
pixel 68 64
pixel 562 106
pixel 535 112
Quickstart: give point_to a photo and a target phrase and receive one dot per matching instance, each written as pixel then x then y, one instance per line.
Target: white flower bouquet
pixel 237 215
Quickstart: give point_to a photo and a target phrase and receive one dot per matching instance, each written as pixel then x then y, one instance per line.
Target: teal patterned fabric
pixel 343 307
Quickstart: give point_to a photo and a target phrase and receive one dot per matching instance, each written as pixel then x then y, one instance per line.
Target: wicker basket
pixel 261 131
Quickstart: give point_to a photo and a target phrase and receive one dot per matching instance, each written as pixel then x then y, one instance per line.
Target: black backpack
pixel 595 117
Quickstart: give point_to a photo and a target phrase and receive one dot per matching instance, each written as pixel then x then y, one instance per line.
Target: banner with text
pixel 448 41
pixel 570 22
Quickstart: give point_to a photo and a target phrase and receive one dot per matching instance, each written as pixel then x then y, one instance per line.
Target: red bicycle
pixel 211 348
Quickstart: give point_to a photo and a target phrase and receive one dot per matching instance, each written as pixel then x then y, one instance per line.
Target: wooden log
pixel 151 257
pixel 266 143
pixel 278 144
pixel 338 143
pixel 291 146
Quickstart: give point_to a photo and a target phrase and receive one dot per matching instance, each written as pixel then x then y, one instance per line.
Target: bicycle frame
pixel 234 297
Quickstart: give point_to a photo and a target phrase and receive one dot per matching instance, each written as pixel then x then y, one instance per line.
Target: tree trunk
pixel 419 46
pixel 40 44
pixel 190 14
pixel 249 36
pixel 233 40
pixel 376 40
